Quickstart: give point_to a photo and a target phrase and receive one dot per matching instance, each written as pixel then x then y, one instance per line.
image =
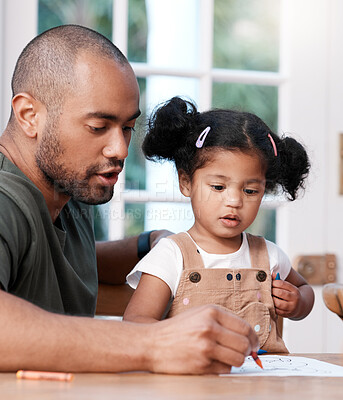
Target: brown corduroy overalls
pixel 246 292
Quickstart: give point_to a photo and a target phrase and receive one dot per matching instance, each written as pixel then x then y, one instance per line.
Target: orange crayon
pixel 256 359
pixel 45 375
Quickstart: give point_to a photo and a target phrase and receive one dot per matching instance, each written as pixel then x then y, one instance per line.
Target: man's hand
pixel 203 340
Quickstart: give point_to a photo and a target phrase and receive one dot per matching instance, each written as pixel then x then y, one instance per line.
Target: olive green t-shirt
pixel 52 265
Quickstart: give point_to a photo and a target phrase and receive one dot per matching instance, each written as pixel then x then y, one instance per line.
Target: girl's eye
pixel 250 192
pixel 218 188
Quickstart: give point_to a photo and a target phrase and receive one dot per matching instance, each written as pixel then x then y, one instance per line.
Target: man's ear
pixel 184 183
pixel 28 112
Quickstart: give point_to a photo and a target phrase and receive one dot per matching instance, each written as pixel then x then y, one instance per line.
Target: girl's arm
pixel 293 297
pixel 149 300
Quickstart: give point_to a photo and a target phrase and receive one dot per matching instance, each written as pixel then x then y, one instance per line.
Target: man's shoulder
pixel 16 187
pixel 15 190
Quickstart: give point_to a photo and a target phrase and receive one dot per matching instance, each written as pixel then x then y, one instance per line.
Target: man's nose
pixel 117 145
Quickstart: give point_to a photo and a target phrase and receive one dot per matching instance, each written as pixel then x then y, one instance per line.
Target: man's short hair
pixel 45 68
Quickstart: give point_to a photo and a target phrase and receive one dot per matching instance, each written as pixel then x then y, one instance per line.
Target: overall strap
pixel 191 257
pixel 258 252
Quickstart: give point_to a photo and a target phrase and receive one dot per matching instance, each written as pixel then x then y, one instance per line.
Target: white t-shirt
pixel 165 262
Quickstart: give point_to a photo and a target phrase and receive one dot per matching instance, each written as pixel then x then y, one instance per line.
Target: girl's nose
pixel 233 197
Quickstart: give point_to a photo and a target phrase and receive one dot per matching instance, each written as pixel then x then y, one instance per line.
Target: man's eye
pixel 97 128
pixel 217 187
pixel 128 129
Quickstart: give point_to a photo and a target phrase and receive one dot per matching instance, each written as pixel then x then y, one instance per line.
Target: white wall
pixel 311 101
pixel 18 25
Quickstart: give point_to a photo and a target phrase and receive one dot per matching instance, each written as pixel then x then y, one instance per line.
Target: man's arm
pixel 203 340
pixel 116 258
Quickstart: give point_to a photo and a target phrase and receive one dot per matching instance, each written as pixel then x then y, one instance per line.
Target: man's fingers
pixel 226 355
pixel 217 368
pixel 236 332
pixel 205 340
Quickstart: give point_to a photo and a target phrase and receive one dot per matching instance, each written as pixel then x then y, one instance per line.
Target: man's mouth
pixel 108 174
pixel 108 178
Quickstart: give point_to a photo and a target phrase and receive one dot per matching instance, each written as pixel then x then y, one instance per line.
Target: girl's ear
pixel 184 183
pixel 28 112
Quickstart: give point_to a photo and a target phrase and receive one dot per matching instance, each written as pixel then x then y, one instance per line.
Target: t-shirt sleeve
pixel 279 261
pixel 14 239
pixel 5 264
pixel 163 261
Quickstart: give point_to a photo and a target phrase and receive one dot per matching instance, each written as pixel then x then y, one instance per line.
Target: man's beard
pixel 49 160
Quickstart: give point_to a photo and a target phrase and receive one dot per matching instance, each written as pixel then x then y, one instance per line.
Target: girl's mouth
pixel 230 221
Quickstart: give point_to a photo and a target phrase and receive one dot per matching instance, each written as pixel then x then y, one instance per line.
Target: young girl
pixel 226 160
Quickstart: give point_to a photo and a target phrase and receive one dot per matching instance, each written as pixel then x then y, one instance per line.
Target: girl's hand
pixel 293 298
pixel 286 297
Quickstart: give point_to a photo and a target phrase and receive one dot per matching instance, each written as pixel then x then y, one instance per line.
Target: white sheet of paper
pixel 275 365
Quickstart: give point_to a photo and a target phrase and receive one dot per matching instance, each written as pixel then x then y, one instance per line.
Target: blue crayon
pixel 260 352
pixel 277 277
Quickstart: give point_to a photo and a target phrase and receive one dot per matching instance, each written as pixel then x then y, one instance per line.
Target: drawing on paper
pixel 287 366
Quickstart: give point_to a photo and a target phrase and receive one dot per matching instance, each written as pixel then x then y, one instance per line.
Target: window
pixel 220 53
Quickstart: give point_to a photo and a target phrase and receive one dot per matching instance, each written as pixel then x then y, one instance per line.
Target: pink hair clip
pixel 273 144
pixel 201 139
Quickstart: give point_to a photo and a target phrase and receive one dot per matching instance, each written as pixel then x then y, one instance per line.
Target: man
pixel 75 103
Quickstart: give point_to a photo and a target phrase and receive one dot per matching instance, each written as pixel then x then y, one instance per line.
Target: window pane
pixel 246 34
pixel 134 218
pixel 135 162
pixel 174 216
pixel 138 31
pixel 93 14
pixel 264 224
pixel 163 88
pixel 173 33
pixel 260 100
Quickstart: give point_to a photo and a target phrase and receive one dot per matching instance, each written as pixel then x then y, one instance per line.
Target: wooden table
pixel 128 386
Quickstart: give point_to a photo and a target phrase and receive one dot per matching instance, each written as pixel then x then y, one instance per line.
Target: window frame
pixel 206 75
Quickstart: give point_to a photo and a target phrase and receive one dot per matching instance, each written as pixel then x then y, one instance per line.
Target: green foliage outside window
pixel 260 100
pixel 138 31
pixel 246 34
pixel 96 15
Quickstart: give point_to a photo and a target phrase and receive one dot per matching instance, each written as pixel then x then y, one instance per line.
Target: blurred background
pixel 280 59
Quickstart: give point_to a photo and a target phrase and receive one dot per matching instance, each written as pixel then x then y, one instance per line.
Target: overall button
pixel 238 276
pixel 261 276
pixel 229 277
pixel 194 277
